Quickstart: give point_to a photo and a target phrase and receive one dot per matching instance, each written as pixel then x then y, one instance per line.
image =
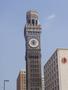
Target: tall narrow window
pixel 36 22
pixel 33 22
pixel 28 21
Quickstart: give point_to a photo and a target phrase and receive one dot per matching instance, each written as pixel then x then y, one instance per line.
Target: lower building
pixel 56 71
pixel 21 81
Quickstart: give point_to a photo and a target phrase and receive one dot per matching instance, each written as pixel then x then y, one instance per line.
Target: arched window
pixel 36 22
pixel 28 21
pixel 33 22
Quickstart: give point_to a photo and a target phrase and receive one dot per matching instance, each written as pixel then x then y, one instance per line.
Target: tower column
pixel 32 33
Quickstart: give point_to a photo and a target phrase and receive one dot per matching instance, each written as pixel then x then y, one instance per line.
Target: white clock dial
pixel 33 42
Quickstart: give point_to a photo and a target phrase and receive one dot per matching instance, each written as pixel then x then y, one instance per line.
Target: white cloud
pixel 48 21
pixel 52 16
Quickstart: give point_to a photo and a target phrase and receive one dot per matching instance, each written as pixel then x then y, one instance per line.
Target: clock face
pixel 64 60
pixel 33 42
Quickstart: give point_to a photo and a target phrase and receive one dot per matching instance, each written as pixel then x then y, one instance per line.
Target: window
pixel 36 22
pixel 36 56
pixel 28 21
pixel 33 22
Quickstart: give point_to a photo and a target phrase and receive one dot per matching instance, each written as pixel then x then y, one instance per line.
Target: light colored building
pixel 21 81
pixel 56 71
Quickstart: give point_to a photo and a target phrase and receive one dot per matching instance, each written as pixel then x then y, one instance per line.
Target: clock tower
pixel 32 33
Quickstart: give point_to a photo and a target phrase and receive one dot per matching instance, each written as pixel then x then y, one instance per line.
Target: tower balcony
pixel 36 27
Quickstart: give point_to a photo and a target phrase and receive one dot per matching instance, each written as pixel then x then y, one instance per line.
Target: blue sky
pixel 53 16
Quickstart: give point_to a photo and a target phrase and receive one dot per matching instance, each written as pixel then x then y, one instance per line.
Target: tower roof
pixel 32 13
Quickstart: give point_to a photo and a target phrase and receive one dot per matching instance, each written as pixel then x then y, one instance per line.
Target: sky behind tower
pixel 53 16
